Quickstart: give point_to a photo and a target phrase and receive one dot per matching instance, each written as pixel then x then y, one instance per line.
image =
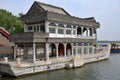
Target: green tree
pixel 10 22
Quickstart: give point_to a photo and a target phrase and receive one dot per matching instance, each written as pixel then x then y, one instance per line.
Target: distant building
pixel 51 32
pixel 4 42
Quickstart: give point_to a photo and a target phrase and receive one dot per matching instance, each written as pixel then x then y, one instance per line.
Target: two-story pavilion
pixel 51 32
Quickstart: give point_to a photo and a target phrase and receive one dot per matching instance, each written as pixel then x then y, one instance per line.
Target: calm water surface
pixel 103 70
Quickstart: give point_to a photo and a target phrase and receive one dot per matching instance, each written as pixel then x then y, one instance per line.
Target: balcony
pixel 71 36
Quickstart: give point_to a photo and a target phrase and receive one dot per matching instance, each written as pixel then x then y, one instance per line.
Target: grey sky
pixel 107 12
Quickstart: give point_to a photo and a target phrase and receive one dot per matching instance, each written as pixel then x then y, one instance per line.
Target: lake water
pixel 103 70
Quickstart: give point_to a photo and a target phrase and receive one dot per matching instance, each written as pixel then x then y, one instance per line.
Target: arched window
pixel 61 49
pixel 60 25
pixel 52 24
pixel 52 50
pixel 94 31
pixel 52 28
pixel 90 31
pixel 79 44
pixel 68 29
pixel 68 49
pixel 79 31
pixel 68 26
pixel 60 29
pixel 30 28
pixel 85 31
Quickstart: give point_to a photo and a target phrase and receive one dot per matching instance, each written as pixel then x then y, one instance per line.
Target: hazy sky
pixel 107 12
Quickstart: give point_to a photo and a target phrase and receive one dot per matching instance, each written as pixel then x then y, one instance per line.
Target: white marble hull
pixel 17 69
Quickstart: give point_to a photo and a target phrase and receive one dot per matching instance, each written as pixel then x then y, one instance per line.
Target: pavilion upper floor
pixel 58 23
pixel 62 30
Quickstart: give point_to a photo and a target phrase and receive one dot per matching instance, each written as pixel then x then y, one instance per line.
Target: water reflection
pixel 103 70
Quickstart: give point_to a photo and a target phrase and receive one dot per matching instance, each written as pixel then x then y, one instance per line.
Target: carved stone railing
pixel 28 37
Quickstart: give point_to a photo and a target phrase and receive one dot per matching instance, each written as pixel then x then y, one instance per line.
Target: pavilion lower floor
pixel 36 51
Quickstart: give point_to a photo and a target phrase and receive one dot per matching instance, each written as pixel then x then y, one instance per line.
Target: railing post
pixel 82 48
pixel 65 49
pixel 34 55
pixel 76 48
pixel 47 51
pixel 88 49
pixel 72 49
pixel 56 44
pixel 15 51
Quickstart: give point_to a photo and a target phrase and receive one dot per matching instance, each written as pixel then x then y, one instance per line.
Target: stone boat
pixel 17 68
pixel 53 39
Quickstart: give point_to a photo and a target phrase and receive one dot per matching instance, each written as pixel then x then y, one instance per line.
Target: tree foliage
pixel 10 22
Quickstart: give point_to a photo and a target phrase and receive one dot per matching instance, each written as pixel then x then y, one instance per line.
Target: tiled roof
pixel 90 19
pixel 72 20
pixel 4 32
pixel 40 12
pixel 51 8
